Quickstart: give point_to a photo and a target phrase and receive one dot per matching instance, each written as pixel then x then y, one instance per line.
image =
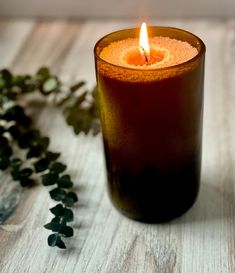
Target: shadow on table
pixel 215 202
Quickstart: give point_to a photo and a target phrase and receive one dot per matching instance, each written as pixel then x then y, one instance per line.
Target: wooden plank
pixel 112 9
pixel 12 35
pixel 200 241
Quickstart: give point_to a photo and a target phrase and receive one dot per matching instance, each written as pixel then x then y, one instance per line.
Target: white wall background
pixel 118 8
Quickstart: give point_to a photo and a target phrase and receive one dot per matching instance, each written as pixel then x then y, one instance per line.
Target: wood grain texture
pixel 201 241
pixel 114 8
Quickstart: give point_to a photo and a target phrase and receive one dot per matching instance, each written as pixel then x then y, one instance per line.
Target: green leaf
pixel 76 86
pixel 49 179
pixel 34 151
pixel 57 194
pixel 41 165
pixel 3 141
pixel 80 119
pixel 56 219
pixel 60 243
pixel 23 143
pixel 73 196
pixel 55 240
pixel 65 182
pixel 50 85
pixel 14 131
pixel 54 226
pixel 43 72
pixel 43 142
pixel 60 228
pixel 57 167
pixel 24 121
pixel 57 210
pixel 68 215
pixel 60 211
pixel 18 80
pixel 80 99
pixel 68 202
pixel 29 139
pixel 70 199
pixel 5 151
pixel 6 75
pixel 84 119
pixel 16 162
pixel 10 114
pixel 66 231
pixel 2 129
pixel 27 182
pixel 2 84
pixel 25 173
pixel 52 239
pixel 37 147
pixel 15 173
pixel 4 163
pixel 50 156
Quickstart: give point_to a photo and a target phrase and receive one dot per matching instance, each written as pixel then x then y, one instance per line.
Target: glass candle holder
pixel 152 130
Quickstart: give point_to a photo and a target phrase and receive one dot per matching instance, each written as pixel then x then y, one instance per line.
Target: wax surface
pixel 174 52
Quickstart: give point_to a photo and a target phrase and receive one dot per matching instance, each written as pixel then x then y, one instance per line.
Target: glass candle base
pixel 155 195
pixel 152 131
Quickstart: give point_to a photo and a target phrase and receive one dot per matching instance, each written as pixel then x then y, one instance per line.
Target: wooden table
pixel 201 241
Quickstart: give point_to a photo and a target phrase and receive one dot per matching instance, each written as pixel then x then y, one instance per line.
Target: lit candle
pixel 151 101
pixel 139 53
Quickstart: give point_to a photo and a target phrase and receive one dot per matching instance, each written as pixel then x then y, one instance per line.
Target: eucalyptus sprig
pixel 80 107
pixel 24 151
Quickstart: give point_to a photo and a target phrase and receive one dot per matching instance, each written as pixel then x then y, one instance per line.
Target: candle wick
pixel 145 55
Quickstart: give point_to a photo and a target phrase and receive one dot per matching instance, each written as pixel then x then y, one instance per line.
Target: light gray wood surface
pixel 114 8
pixel 201 241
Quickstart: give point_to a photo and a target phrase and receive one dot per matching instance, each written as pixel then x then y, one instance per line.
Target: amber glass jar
pixel 152 130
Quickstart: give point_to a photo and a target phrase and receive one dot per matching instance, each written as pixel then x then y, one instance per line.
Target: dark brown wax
pixel 152 130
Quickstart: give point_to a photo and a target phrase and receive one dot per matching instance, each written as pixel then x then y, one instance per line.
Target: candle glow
pixel 144 43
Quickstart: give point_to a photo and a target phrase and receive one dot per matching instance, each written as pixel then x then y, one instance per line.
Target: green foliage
pixel 81 110
pixel 49 179
pixel 55 240
pixel 62 212
pixel 70 199
pixel 17 133
pixel 84 119
pixel 65 182
pixel 60 228
pixel 57 167
pixel 57 194
pixel 50 85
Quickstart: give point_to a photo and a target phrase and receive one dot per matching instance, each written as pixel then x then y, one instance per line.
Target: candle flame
pixel 144 43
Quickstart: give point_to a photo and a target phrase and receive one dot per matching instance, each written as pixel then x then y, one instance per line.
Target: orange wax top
pixel 164 52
